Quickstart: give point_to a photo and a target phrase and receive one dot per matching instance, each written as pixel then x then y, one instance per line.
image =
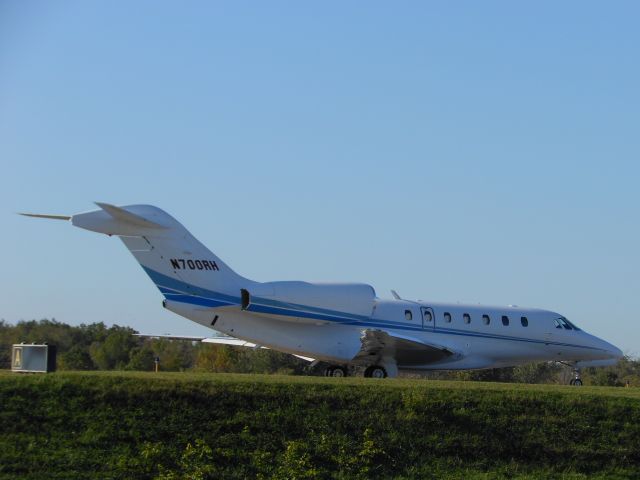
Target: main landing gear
pixel 335 371
pixel 375 371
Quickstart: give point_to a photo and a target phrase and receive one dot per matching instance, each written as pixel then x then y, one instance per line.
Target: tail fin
pixel 174 259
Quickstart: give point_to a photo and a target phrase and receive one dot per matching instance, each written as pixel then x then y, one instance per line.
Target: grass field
pixel 183 425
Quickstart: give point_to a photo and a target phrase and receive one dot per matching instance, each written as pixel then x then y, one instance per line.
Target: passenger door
pixel 428 318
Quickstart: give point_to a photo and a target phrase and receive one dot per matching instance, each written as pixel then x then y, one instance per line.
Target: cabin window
pixel 408 315
pixel 467 318
pixel 486 320
pixel 524 321
pixel 447 317
pixel 505 320
pixel 427 316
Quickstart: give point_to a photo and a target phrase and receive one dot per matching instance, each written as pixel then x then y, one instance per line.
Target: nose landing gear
pixel 576 380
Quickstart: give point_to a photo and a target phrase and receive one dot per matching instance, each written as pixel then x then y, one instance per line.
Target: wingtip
pixel 41 215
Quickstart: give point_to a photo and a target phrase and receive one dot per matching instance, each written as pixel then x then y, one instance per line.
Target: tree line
pixel 98 347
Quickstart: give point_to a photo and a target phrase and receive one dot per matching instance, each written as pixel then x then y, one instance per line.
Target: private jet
pixel 342 324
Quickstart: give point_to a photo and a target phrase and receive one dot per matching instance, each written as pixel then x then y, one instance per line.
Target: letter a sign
pixel 17 358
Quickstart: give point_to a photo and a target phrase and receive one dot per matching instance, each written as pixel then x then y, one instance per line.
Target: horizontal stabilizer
pixel 41 215
pixel 128 217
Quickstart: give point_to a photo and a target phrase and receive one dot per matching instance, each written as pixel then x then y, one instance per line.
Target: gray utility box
pixel 33 358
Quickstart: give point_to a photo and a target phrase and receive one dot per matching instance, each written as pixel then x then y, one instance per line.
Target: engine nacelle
pixel 350 298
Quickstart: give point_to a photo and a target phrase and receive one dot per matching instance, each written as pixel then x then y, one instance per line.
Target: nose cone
pixel 604 355
pixel 598 352
pixel 615 352
pixel 611 351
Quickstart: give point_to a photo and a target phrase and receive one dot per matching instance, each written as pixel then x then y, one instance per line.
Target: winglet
pixel 41 215
pixel 127 217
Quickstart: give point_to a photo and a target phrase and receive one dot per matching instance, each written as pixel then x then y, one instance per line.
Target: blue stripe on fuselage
pixel 179 291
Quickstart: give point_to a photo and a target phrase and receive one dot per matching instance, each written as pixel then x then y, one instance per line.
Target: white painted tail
pixel 174 259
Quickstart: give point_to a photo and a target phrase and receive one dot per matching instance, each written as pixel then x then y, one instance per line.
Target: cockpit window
pixel 561 322
pixel 572 325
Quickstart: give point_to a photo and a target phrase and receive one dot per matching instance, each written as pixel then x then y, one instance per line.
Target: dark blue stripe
pixel 183 292
pixel 190 299
pixel 162 280
pixel 165 284
pixel 397 326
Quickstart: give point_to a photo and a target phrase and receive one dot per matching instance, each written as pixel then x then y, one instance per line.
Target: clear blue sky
pixel 485 152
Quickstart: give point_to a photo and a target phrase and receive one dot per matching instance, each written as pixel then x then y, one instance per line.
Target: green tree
pixel 76 358
pixel 175 355
pixel 142 358
pixel 216 358
pixel 113 352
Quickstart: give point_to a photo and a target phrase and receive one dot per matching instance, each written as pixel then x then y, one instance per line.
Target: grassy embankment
pixel 137 425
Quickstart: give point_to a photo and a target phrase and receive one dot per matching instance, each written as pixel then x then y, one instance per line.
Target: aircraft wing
pixel 219 339
pixel 241 343
pixel 231 341
pixel 406 351
pixel 170 337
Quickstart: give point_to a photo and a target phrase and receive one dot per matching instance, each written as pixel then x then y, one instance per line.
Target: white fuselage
pixel 340 323
pixel 464 329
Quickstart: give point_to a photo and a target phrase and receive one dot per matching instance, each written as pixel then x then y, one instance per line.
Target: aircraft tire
pixel 577 382
pixel 335 371
pixel 375 371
